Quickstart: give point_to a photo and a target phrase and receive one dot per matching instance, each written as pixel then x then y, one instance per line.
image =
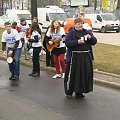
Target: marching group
pixel 77 70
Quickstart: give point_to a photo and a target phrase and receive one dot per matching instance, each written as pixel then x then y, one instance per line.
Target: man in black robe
pixel 79 60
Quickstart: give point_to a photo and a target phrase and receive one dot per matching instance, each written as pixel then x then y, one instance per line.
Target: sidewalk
pixel 100 78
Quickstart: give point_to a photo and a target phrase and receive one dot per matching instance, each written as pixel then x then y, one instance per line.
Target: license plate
pixel 115 28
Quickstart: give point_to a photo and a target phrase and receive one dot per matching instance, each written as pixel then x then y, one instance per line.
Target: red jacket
pixel 27 32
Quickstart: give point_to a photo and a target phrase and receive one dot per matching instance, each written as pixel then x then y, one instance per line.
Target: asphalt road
pixel 44 99
pixel 111 37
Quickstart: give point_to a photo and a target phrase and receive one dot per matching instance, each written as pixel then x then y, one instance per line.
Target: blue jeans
pixel 14 67
pixel 25 48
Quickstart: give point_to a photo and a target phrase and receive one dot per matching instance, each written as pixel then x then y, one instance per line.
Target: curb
pixel 109 74
pixel 28 64
pixel 107 83
pixel 96 80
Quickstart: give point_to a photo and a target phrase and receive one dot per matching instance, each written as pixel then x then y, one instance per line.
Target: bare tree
pixel 43 3
pixel 118 5
pixel 1 7
pixel 117 9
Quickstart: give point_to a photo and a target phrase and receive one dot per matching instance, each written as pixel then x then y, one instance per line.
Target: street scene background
pixel 43 98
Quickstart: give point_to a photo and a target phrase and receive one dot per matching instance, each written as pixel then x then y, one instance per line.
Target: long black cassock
pixel 80 60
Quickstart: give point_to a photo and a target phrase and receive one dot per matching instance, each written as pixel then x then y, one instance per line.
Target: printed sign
pixel 105 4
pixel 79 2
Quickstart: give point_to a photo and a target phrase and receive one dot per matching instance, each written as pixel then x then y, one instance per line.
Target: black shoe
pixel 31 74
pixel 79 95
pixel 36 75
pixel 69 96
pixel 16 78
pixel 12 77
pixel 47 65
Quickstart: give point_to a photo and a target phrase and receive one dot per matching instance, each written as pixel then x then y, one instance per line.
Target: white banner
pixel 79 2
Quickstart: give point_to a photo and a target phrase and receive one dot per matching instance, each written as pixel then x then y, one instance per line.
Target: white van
pixel 15 15
pixel 49 13
pixel 104 22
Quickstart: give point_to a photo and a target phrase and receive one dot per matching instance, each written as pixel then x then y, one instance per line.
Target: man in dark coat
pixel 79 60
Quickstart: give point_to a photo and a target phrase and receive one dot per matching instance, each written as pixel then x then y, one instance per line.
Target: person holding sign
pixel 55 43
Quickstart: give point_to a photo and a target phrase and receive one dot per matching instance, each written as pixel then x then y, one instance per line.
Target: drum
pixel 9 60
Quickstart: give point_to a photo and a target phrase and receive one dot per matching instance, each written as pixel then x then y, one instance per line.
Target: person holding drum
pixel 11 38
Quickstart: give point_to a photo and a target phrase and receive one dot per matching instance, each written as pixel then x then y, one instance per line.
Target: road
pixel 112 38
pixel 44 99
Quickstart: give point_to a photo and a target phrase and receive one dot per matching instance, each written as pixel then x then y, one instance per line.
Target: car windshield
pixel 108 17
pixel 58 16
pixel 70 13
pixel 25 16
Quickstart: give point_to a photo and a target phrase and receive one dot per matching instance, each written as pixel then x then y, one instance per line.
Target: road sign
pixel 105 4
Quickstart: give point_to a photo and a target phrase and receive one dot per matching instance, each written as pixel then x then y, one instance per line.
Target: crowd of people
pixel 77 70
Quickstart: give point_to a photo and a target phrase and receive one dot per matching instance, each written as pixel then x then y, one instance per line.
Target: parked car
pixel 104 22
pixel 13 15
pixel 49 13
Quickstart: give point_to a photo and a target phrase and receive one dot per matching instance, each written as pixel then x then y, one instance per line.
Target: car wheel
pixel 117 31
pixel 103 30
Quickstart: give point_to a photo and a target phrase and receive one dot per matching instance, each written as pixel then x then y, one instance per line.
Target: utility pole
pixel 34 8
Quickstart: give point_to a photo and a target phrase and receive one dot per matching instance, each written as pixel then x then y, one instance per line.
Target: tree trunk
pixel 118 5
pixel 43 3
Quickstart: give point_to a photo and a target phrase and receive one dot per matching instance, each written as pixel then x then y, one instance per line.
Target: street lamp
pixel 34 8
